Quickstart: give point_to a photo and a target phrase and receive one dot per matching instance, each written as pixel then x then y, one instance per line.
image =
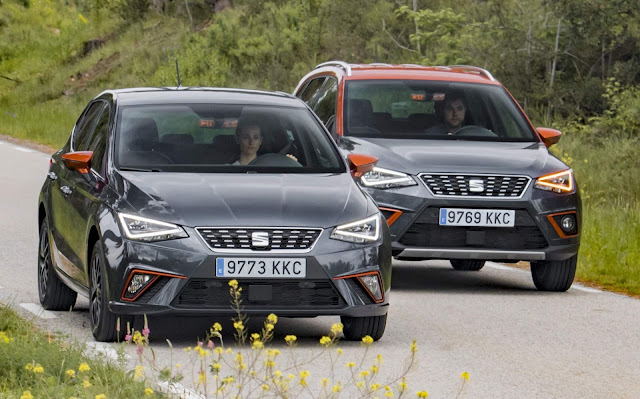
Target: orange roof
pixel 469 74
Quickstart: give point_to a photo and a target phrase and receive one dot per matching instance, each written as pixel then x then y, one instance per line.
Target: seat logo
pixel 476 186
pixel 260 239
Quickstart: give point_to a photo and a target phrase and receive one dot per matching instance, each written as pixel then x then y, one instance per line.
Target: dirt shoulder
pixel 29 144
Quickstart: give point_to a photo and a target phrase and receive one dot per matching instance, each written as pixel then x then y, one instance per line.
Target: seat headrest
pixel 141 134
pixel 360 112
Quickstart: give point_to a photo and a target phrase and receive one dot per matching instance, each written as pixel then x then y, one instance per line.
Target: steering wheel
pixel 274 160
pixel 474 130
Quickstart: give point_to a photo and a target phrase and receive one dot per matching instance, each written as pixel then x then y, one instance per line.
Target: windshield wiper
pixel 140 169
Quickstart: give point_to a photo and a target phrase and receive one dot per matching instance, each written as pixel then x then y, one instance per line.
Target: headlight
pixel 385 178
pixel 561 182
pixel 360 231
pixel 143 229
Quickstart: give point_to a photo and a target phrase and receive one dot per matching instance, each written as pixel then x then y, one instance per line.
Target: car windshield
pixel 223 138
pixel 433 110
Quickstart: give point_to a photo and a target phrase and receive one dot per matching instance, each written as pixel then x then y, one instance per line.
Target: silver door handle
pixel 52 175
pixel 66 190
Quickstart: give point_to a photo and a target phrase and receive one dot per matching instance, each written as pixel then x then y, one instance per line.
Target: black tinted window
pixel 99 142
pixel 324 102
pixel 310 90
pixel 85 126
pixel 433 110
pixel 218 137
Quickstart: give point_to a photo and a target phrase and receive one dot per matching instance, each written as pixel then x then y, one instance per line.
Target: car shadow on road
pixel 441 278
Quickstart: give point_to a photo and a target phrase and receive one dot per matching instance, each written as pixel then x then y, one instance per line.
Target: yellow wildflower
pixel 202 377
pixel 268 327
pixel 364 373
pixel 38 369
pixel 229 350
pixel 325 340
pixel 350 364
pixel 216 367
pixel 402 386
pixel 270 363
pixel 337 388
pixel 359 384
pixel 233 284
pixel 273 319
pixel 178 365
pixel 83 367
pixel 26 395
pixel 290 339
pixel 4 338
pixel 148 391
pixel 388 394
pixel 70 373
pixel 29 366
pixel 218 350
pixel 304 374
pixel 101 396
pixel 257 344
pixel 255 336
pixel 86 383
pixel 422 394
pixel 374 369
pixel 324 382
pixel 340 351
pixel 139 372
pixel 375 387
pixel 337 328
pixel 217 327
pixel 379 359
pixel 265 387
pixel 414 347
pixel 228 380
pixel 367 340
pixel 465 376
pixel 238 325
pixel 187 349
pixel 290 376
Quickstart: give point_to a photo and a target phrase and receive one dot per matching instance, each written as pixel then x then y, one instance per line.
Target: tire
pixel 554 275
pixel 467 265
pixel 52 292
pixel 103 321
pixel 355 328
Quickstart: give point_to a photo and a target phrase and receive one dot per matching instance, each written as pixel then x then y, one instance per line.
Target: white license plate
pixel 261 267
pixel 477 217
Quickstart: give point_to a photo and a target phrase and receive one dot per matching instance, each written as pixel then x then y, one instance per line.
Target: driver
pixel 249 139
pixel 454 114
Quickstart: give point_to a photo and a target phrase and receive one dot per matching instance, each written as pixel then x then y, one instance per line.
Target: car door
pixel 69 217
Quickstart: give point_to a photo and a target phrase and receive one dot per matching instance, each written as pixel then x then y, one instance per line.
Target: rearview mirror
pixel 549 136
pixel 360 164
pixel 78 160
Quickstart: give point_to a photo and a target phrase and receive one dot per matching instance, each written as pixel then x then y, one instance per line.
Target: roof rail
pixel 413 65
pixel 471 68
pixel 380 64
pixel 340 64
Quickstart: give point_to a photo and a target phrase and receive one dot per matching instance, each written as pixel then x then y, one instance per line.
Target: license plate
pixel 261 267
pixel 477 217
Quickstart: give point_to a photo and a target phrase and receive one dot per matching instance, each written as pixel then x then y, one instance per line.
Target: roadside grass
pixel 36 364
pixel 608 175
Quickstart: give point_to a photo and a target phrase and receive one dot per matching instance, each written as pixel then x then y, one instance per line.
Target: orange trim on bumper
pixel 558 229
pixel 141 271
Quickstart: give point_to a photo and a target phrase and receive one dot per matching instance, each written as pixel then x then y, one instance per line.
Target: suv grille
pixel 305 294
pixel 426 232
pixel 493 186
pixel 241 238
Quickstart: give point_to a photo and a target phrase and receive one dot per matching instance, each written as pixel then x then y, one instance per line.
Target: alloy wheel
pixel 96 290
pixel 44 262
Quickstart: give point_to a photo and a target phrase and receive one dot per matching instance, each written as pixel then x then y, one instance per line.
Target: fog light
pixel 372 284
pixel 568 223
pixel 137 282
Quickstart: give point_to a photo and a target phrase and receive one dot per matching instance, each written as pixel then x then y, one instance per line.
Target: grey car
pixel 462 173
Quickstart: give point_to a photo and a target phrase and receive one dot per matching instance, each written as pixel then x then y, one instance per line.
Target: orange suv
pixel 462 174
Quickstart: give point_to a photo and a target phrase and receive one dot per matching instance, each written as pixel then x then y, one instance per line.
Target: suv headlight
pixel 360 231
pixel 385 178
pixel 144 229
pixel 561 182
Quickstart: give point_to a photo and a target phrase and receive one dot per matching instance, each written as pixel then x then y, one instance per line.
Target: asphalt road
pixel 514 341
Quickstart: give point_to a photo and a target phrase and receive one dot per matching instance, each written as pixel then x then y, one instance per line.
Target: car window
pixel 307 94
pixel 98 141
pixel 425 110
pixel 324 102
pixel 207 138
pixel 85 126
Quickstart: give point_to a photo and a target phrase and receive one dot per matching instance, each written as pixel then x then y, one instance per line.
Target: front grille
pixel 492 186
pixel 426 232
pixel 241 238
pixel 304 294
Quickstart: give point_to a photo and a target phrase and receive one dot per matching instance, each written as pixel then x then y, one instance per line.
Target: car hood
pixel 459 156
pixel 207 199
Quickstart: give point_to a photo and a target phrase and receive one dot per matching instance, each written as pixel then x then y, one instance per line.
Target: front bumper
pixel 416 234
pixel 187 282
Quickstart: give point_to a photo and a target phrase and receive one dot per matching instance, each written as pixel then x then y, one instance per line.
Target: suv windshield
pixel 223 138
pixel 433 110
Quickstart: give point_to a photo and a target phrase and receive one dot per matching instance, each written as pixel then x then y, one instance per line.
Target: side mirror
pixel 360 164
pixel 549 136
pixel 79 160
